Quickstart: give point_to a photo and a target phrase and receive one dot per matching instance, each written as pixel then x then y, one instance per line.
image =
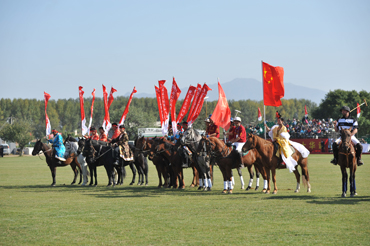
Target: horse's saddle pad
pixel 126 153
pixel 278 152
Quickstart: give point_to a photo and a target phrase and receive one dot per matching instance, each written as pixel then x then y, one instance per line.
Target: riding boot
pixel 335 153
pixel 241 160
pixel 116 156
pixel 185 162
pixel 358 154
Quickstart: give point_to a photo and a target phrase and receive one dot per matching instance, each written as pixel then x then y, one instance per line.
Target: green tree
pixel 19 132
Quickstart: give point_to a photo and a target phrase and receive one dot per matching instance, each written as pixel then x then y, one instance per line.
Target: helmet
pixel 345 108
pixel 207 120
pixel 237 119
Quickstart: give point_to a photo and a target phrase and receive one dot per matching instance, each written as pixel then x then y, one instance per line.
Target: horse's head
pixel 81 145
pixel 89 151
pixel 250 143
pixel 37 148
pixel 141 143
pixel 205 145
pixel 152 147
pixel 345 135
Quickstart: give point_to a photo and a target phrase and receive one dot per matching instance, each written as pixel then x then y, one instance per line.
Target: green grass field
pixel 33 213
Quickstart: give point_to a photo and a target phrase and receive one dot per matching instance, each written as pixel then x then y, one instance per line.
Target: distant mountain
pixel 244 89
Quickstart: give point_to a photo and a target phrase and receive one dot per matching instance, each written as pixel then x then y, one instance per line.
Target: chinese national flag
pixel 273 85
pixel 221 114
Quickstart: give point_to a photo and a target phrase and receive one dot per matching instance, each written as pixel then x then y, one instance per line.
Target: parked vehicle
pixel 6 150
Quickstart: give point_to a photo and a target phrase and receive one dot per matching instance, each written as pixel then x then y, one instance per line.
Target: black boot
pixel 358 154
pixel 335 153
pixel 116 156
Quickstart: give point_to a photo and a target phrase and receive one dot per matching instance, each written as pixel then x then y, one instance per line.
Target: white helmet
pixel 207 120
pixel 237 119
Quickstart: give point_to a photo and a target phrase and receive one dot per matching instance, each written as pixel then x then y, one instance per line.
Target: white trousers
pixel 238 146
pixel 353 139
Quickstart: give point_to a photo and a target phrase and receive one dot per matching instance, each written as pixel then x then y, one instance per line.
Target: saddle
pixel 126 153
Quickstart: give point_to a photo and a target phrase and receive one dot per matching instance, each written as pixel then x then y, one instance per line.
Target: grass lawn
pixel 33 213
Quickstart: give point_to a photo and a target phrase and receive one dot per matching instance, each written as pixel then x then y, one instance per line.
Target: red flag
pixel 47 121
pixel 111 98
pixel 185 105
pixel 273 85
pixel 358 111
pixel 106 124
pixel 127 107
pixel 159 102
pixel 305 111
pixel 91 110
pixel 199 104
pixel 82 110
pixel 175 93
pixel 195 100
pixel 221 114
pixel 259 115
pixel 165 106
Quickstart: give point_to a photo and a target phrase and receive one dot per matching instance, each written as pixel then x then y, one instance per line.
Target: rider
pixel 347 122
pixel 114 132
pixel 58 145
pixel 103 136
pixel 93 134
pixel 212 129
pixel 280 138
pixel 230 134
pixel 240 137
pixel 121 141
pixel 185 150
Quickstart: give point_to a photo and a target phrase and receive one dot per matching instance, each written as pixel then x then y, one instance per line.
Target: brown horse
pixel 270 161
pixel 347 159
pixel 53 163
pixel 228 159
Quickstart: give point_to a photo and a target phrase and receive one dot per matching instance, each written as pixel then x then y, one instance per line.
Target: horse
pixel 53 163
pixel 347 159
pixel 270 161
pixel 144 145
pixel 72 147
pixel 141 164
pixel 228 159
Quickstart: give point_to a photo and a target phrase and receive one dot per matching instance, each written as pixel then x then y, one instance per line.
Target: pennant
pixel 159 102
pixel 125 112
pixel 358 111
pixel 91 111
pixel 47 121
pixel 273 85
pixel 111 98
pixel 175 93
pixel 259 115
pixel 305 111
pixel 106 123
pixel 82 110
pixel 199 104
pixel 185 105
pixel 165 106
pixel 195 100
pixel 221 115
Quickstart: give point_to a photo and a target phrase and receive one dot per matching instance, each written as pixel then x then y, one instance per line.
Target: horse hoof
pixel 248 188
pixel 53 184
pixel 267 192
pixel 200 187
pixel 224 191
pixel 146 184
pixel 296 191
pixel 256 188
pixel 230 191
pixel 205 188
pixel 274 193
pixel 209 189
pixel 242 188
pixel 131 183
pixel 309 190
pixel 192 185
pixel 344 195
pixel 95 185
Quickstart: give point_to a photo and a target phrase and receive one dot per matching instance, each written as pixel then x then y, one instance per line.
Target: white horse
pixel 71 147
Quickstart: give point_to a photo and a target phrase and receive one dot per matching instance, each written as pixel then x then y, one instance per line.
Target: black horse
pixel 141 163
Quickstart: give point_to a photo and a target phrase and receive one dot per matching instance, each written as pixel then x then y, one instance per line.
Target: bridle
pixel 349 151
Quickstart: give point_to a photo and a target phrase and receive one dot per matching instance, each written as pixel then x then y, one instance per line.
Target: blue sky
pixel 55 46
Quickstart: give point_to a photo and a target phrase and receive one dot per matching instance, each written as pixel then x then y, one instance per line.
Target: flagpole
pixel 264 111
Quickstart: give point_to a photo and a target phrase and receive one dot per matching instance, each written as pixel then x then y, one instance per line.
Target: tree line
pixel 64 114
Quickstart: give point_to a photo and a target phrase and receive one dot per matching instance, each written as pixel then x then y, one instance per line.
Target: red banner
pixel 159 102
pixel 305 111
pixel 221 114
pixel 273 85
pixel 259 115
pixel 175 93
pixel 165 106
pixel 106 124
pixel 185 105
pixel 199 104
pixel 195 100
pixel 313 145
pixel 127 107
pixel 82 110
pixel 91 111
pixel 358 111
pixel 47 121
pixel 111 98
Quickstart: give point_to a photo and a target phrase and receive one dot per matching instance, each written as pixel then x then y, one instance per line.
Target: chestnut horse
pixel 270 161
pixel 347 159
pixel 53 163
pixel 228 159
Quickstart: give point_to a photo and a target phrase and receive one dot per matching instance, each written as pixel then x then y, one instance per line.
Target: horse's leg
pixel 228 172
pixel 344 181
pixel 226 183
pixel 91 174
pixel 298 178
pixel 159 173
pixel 53 170
pixel 146 170
pixel 96 175
pixel 75 172
pixel 257 177
pixel 182 186
pixel 251 175
pixel 352 182
pixel 132 166
pixel 273 174
pixel 305 175
pixel 267 185
pixel 196 175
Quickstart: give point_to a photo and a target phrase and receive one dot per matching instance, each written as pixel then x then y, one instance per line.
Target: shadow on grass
pixel 324 200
